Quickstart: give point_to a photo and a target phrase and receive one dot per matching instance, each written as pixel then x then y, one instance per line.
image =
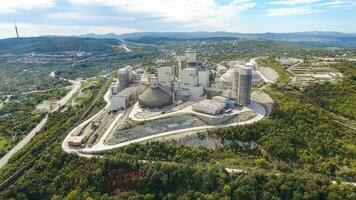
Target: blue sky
pixel 72 17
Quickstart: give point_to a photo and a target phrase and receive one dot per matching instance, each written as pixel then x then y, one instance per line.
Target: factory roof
pixel 129 91
pixel 155 98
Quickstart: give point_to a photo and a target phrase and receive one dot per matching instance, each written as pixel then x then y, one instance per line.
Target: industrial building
pixel 126 97
pixel 166 76
pixel 155 96
pixel 204 78
pixel 191 83
pixel 191 57
pixel 209 106
pixel 122 94
pixel 189 78
pixel 182 64
pixel 124 78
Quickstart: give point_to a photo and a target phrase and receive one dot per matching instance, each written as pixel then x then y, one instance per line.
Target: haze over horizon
pixel 75 17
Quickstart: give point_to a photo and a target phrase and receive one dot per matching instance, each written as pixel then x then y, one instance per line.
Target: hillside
pixel 56 44
pixel 321 39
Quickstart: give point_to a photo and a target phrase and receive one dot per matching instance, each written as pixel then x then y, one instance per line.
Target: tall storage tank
pixel 244 86
pixel 124 79
pixel 235 81
pixel 129 70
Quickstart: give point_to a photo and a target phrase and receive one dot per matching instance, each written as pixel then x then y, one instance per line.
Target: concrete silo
pixel 124 79
pixel 129 70
pixel 244 86
pixel 235 80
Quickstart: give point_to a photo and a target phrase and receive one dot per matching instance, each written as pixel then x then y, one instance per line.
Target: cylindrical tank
pixel 129 72
pixel 235 80
pixel 244 86
pixel 124 80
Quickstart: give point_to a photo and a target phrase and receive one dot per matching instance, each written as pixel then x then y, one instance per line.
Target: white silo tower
pixel 244 86
pixel 124 79
pixel 235 80
pixel 129 72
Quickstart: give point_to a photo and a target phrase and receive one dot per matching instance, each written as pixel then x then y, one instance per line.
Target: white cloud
pixel 337 4
pixel 294 2
pixel 299 7
pixel 288 11
pixel 10 6
pixel 198 13
pixel 74 15
pixel 26 30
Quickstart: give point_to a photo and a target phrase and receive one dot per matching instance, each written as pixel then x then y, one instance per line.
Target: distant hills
pixel 55 44
pixel 106 43
pixel 320 39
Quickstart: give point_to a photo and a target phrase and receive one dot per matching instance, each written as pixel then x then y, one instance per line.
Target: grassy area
pixel 278 67
pixel 3 143
pixel 86 83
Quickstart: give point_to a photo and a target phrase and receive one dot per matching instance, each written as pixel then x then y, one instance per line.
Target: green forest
pixel 19 116
pixel 339 98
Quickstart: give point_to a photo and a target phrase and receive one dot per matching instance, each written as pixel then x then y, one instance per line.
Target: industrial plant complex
pixel 212 97
pixel 190 82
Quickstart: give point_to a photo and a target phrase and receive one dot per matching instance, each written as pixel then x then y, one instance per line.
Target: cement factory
pixel 192 96
pixel 190 82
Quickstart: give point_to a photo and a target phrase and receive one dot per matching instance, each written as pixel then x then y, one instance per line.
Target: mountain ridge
pixel 311 38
